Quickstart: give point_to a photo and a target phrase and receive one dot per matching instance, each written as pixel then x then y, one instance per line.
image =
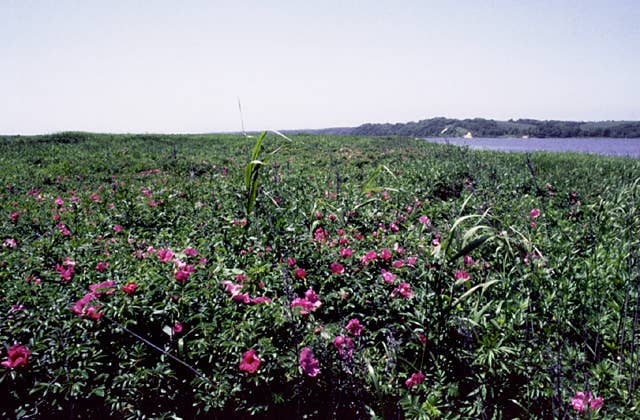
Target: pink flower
pixel 336 268
pixel 320 235
pixel 236 294
pixel 387 276
pixel 102 265
pixel 106 287
pixel 345 252
pixel 10 243
pixel 424 220
pixel 65 271
pixel 177 328
pixel 344 346
pixel 183 273
pixel 59 201
pixel 468 261
pixel 583 401
pixel 242 297
pixel 415 379
pixel 300 273
pixel 190 252
pixel 412 260
pixel 312 297
pixel 18 355
pixel 385 254
pixel 83 307
pixel 462 275
pixel 291 261
pixel 309 303
pixel 250 362
pixel 534 214
pixel 404 290
pixel 129 288
pixel 117 228
pixel 397 264
pixel 354 327
pixel 235 291
pixel 14 216
pixel 62 228
pixel 95 197
pixel 308 364
pixel 260 299
pixel 165 255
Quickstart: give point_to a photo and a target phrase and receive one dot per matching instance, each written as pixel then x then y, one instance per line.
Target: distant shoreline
pixel 629 147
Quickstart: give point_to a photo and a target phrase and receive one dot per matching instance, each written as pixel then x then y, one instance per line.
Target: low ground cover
pixel 367 278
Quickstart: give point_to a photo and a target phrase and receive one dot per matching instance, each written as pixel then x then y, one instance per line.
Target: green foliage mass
pixel 505 313
pixel 481 127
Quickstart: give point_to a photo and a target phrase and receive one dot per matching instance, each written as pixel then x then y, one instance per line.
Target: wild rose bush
pixel 374 278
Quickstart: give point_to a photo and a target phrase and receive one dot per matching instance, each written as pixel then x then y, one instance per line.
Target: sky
pixel 182 66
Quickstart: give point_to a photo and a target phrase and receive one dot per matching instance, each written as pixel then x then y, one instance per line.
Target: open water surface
pixel 600 146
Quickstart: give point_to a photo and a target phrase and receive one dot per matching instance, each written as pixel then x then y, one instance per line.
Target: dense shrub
pixel 372 278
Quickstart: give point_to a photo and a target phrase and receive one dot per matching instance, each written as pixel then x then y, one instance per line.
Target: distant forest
pixel 480 127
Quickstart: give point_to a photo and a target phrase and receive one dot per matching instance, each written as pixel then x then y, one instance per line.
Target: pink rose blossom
pixel 468 261
pixel 101 266
pixel 106 287
pixel 129 288
pixel 344 346
pixel 415 379
pixel 387 276
pixel 404 290
pixel 308 364
pixel 582 401
pixel 183 273
pixel 250 361
pixel 190 252
pixel 336 268
pixel 65 271
pixel 385 254
pixel 18 355
pixel 309 303
pixel 534 214
pixel 354 327
pixel 461 275
pixel 345 252
pixel 83 307
pixel 165 255
pixel 397 264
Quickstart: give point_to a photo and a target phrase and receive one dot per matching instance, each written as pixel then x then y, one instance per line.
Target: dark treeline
pixel 480 127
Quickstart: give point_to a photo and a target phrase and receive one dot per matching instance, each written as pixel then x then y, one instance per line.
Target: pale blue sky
pixel 179 66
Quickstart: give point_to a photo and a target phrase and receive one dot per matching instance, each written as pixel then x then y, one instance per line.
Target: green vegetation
pixel 341 277
pixel 480 127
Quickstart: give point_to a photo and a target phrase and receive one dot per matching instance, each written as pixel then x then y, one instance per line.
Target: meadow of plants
pixel 148 276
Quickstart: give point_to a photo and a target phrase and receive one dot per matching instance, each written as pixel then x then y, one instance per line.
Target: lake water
pixel 601 146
